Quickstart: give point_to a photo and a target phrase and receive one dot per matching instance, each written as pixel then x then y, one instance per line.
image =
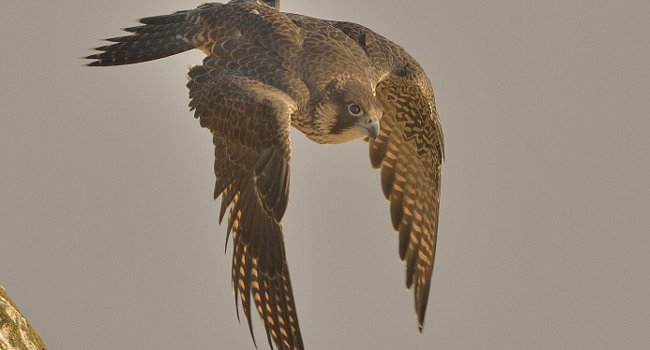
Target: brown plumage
pixel 266 71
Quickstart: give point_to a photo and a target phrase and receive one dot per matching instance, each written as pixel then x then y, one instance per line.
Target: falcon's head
pixel 346 111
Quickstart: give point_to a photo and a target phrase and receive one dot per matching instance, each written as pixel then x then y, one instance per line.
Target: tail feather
pixel 158 37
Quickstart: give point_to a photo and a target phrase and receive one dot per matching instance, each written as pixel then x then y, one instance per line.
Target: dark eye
pixel 355 110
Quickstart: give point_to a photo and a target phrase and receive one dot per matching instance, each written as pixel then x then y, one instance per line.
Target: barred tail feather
pixel 158 37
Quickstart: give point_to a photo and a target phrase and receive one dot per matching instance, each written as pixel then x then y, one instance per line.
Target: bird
pixel 266 71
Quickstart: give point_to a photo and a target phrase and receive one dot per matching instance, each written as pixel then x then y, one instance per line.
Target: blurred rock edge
pixel 15 331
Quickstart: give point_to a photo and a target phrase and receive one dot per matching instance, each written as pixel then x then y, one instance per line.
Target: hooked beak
pixel 370 127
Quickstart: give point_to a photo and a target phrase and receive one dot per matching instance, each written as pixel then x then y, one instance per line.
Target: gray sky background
pixel 108 230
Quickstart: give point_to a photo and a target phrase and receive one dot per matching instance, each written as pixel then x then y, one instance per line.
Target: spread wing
pixel 409 150
pixel 246 97
pixel 250 121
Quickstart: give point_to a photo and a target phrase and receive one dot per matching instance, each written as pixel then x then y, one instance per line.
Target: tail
pixel 158 37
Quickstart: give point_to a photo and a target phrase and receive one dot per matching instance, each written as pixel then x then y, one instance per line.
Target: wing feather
pixel 250 122
pixel 410 152
pixel 411 170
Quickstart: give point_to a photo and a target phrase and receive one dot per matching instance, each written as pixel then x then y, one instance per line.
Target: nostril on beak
pixel 373 129
pixel 370 126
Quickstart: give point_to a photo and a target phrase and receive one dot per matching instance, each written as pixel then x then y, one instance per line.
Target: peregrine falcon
pixel 266 71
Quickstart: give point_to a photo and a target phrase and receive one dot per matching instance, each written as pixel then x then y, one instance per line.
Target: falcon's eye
pixel 355 110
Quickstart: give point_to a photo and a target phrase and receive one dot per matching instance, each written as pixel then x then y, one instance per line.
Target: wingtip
pixel 92 56
pixel 131 29
pixel 84 58
pixel 420 323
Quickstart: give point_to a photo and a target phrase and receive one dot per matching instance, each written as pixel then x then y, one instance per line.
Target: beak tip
pixel 371 128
